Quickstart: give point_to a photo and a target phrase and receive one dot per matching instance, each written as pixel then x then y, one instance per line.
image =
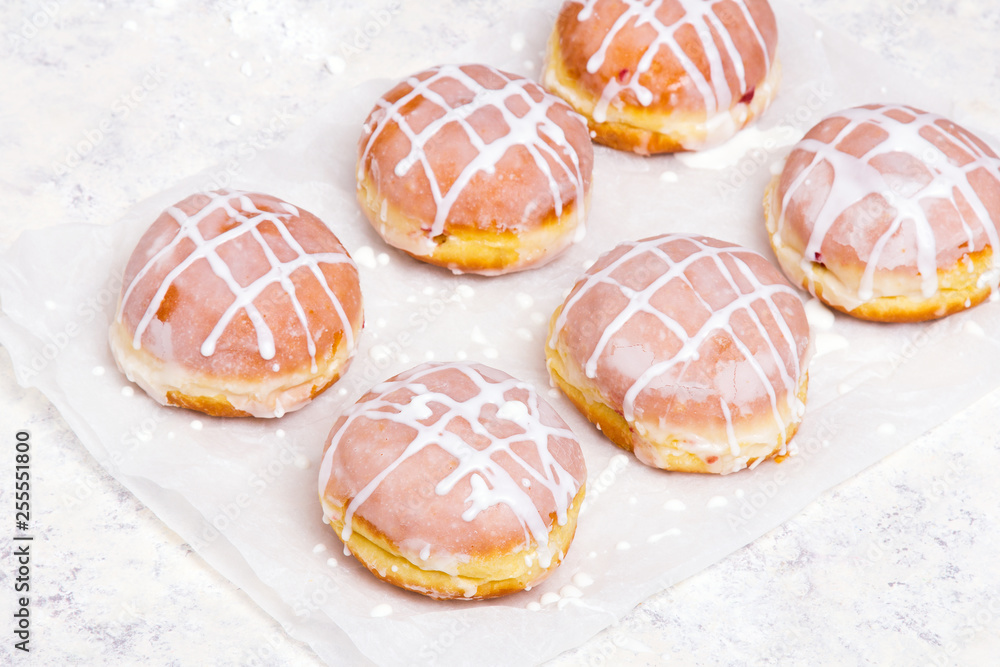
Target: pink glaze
pixel 238 286
pixel 689 335
pixel 472 146
pixel 690 55
pixel 450 461
pixel 892 190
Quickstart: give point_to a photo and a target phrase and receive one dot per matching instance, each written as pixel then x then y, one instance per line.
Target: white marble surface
pixel 104 104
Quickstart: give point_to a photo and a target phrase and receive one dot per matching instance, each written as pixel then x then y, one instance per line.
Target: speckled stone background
pixel 104 104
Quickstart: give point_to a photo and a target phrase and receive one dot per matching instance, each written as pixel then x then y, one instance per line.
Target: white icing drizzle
pixel 857 179
pixel 249 217
pixel 491 483
pixel 539 134
pixel 719 320
pixel 698 14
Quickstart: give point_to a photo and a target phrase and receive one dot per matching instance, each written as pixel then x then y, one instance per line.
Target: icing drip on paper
pixel 857 179
pixel 492 484
pixel 718 321
pixel 702 17
pixel 535 131
pixel 249 219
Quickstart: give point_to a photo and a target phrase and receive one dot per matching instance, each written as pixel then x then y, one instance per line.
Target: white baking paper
pixel 243 491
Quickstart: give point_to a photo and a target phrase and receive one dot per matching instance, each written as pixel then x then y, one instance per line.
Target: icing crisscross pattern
pixel 780 341
pixel 240 208
pixel 536 131
pixel 704 16
pixel 494 481
pixel 857 179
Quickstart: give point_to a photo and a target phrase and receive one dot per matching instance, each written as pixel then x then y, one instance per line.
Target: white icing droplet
pixel 380 354
pixel 301 462
pixel 465 291
pixel 276 367
pixel 319 548
pixel 533 606
pixel 974 329
pixel 632 500
pixel 490 353
pixel 425 553
pixel 461 355
pixel 364 256
pixel 517 42
pixel 524 334
pixel 820 317
pixel 280 433
pixel 332 562
pixel 514 411
pixel 235 119
pixel 381 611
pixel 51 305
pixel 130 25
pixel 478 337
pixel 843 388
pixel 549 598
pixel 582 579
pixel 335 65
pixel 827 343
pixel 524 300
pixel 383 259
pixel 886 429
pixel 673 532
pixel 246 69
pixel 569 591
pixel 196 424
pixel 98 370
pixel 128 391
pixel 623 546
pixel 717 502
pixel 394 568
pixel 669 177
pixel 675 506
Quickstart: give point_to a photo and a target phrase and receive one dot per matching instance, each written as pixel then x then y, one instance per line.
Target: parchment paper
pixel 243 492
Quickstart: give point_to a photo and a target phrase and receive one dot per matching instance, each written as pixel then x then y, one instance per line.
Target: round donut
pixel 475 169
pixel 237 304
pixel 455 481
pixel 662 76
pixel 889 213
pixel 687 351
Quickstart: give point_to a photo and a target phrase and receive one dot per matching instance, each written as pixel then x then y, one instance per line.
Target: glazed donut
pixel 474 169
pixel 455 481
pixel 889 213
pixel 237 304
pixel 689 352
pixel 661 76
